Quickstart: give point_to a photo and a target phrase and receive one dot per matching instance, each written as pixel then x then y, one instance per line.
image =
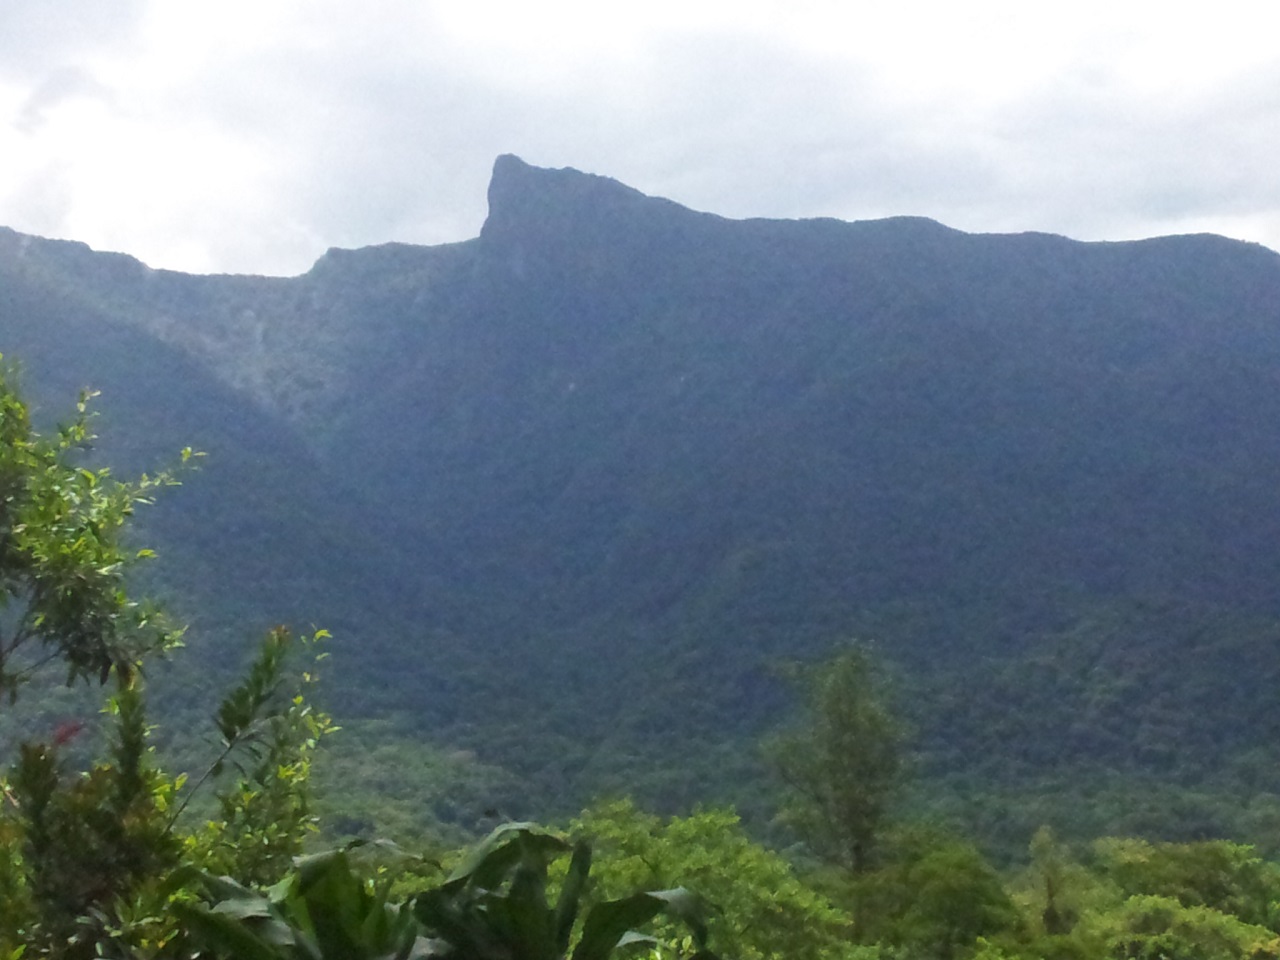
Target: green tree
pixel 1050 869
pixel 938 897
pixel 1057 895
pixel 83 843
pixel 271 730
pixel 63 556
pixel 1223 876
pixel 72 844
pixel 843 764
pixel 1160 928
pixel 765 910
pixel 87 846
pixel 86 855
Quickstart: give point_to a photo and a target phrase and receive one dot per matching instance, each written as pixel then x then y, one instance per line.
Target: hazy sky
pixel 250 135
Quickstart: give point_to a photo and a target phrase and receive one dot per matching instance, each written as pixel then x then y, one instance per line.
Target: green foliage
pixel 1142 901
pixel 63 562
pixel 265 811
pixel 85 858
pixel 96 840
pixel 1109 721
pixel 1216 874
pixel 1055 890
pixel 843 765
pixel 380 780
pixel 1161 928
pixel 765 910
pixel 495 906
pixel 85 847
pixel 321 910
pixel 936 898
pixel 80 850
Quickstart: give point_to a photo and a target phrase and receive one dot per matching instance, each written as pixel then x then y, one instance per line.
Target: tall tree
pixel 844 764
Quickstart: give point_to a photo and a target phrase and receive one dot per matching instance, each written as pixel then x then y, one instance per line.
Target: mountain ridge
pixel 614 443
pixel 389 316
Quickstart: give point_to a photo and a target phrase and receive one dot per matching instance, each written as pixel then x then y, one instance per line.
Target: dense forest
pixel 104 853
pixel 896 590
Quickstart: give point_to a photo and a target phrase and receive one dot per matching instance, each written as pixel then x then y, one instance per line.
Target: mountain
pixel 570 489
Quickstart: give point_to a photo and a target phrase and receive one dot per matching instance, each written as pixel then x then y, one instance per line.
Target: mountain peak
pixel 517 185
pixel 539 203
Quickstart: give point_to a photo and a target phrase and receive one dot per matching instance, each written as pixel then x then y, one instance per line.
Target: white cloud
pixel 38 37
pixel 251 135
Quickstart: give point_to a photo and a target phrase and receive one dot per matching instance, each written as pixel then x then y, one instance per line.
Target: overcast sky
pixel 251 135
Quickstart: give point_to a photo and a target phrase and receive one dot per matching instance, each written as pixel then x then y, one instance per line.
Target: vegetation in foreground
pixel 103 853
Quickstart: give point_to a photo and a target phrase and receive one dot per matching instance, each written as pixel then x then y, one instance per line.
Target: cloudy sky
pixel 251 135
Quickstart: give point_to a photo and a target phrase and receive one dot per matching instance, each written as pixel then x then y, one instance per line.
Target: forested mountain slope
pixel 570 488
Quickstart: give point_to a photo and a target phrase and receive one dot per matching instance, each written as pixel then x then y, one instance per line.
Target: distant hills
pixel 569 489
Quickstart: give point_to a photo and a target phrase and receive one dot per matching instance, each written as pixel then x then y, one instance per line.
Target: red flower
pixel 66 731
